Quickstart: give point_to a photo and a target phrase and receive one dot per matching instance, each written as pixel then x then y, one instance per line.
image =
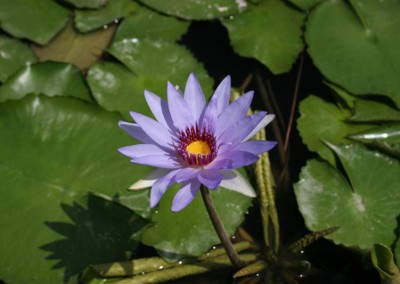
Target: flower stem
pixel 219 228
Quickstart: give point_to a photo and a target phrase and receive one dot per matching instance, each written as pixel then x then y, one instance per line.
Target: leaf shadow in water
pixel 103 232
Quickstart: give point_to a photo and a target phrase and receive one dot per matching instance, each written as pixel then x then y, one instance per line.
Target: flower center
pixel 197 147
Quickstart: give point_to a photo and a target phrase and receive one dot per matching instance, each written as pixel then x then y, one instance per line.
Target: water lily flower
pixel 196 144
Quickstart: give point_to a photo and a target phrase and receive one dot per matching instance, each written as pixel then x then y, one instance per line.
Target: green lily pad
pixel 365 205
pixel 190 232
pixel 88 20
pixel 87 3
pixel 385 138
pixel 343 98
pixel 197 10
pixel 321 122
pixel 355 44
pixel 270 32
pixel 382 259
pixel 366 110
pixel 162 27
pixel 305 4
pixel 76 48
pixel 13 55
pixel 151 65
pixel 49 78
pixel 54 152
pixel 36 20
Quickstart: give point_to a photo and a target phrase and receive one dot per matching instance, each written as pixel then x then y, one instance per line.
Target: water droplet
pixel 258 275
pixel 156 212
pixel 247 212
pixel 207 254
pixel 214 247
pixel 302 251
pixel 143 273
pixel 161 267
pixel 180 262
pixel 231 17
pixel 116 21
pixel 105 27
pixel 233 237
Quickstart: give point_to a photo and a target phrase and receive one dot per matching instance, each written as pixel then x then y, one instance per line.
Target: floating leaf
pixel 162 27
pixel 366 110
pixel 72 47
pixel 87 3
pixel 88 20
pixel 269 32
pixel 190 232
pixel 365 206
pixel 305 4
pixel 321 121
pixel 355 45
pixel 54 152
pixel 49 78
pixel 382 259
pixel 385 138
pixel 13 55
pixel 36 20
pixel 197 10
pixel 153 64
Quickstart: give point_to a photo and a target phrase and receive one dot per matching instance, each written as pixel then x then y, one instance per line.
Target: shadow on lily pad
pixel 101 233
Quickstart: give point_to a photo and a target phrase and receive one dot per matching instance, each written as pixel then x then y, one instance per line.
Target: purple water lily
pixel 193 143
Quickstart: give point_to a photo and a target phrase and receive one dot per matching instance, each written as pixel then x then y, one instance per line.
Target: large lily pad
pixel 54 152
pixel 162 27
pixel 269 32
pixel 197 10
pixel 49 78
pixel 365 206
pixel 190 232
pixel 88 20
pixel 76 48
pixel 38 21
pixel 356 44
pixel 13 55
pixel 152 65
pixel 322 122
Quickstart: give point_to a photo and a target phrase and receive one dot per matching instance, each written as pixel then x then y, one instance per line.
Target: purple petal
pixel 135 131
pixel 153 129
pixel 186 174
pixel 223 93
pixel 194 97
pixel 264 122
pixel 234 112
pixel 149 180
pixel 142 150
pixel 180 112
pixel 235 159
pixel 185 195
pixel 209 118
pixel 160 186
pixel 211 179
pixel 160 110
pixel 233 180
pixel 165 162
pixel 235 134
pixel 256 147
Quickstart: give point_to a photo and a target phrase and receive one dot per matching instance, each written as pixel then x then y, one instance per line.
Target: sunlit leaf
pixel 151 65
pixel 13 55
pixel 270 32
pixel 162 27
pixel 190 232
pixel 49 78
pixel 197 10
pixel 88 20
pixel 356 44
pixel 322 122
pixel 364 206
pixel 368 110
pixel 54 151
pixel 76 48
pixel 36 20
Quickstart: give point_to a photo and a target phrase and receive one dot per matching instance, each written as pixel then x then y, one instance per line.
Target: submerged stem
pixel 219 228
